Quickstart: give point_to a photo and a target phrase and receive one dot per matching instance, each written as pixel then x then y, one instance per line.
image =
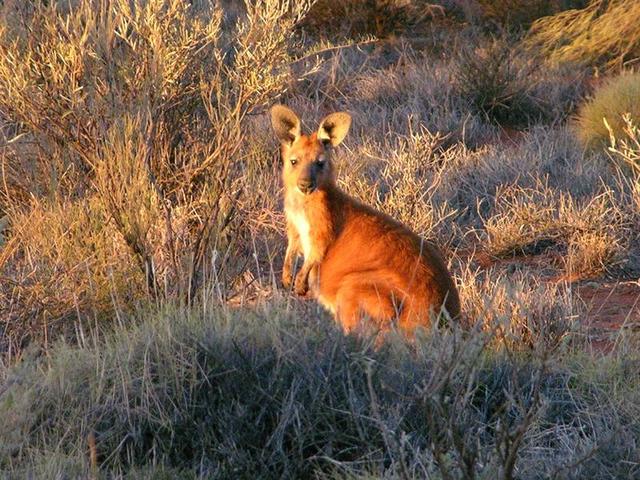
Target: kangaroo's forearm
pixel 287 267
pixel 307 276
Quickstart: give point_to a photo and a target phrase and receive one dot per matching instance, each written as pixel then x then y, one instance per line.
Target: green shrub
pixel 611 101
pixel 497 83
pixel 381 18
pixel 521 14
pixel 267 394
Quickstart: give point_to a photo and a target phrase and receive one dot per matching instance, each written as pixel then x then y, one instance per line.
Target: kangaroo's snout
pixel 306 185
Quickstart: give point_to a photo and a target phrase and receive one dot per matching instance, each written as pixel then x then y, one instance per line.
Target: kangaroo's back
pixel 379 267
pixel 358 262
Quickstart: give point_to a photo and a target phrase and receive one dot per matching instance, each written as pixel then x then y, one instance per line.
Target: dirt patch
pixel 510 136
pixel 609 305
pixel 609 308
pixel 547 265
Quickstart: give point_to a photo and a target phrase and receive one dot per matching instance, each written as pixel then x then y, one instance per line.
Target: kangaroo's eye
pixel 293 161
pixel 320 161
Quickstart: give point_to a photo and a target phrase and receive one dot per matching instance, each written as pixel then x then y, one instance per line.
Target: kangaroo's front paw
pixel 302 285
pixel 287 278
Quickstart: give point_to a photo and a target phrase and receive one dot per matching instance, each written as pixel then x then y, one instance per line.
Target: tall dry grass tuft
pixel 606 32
pixel 520 311
pixel 533 221
pixel 625 151
pixel 138 109
pixel 625 146
pixel 602 115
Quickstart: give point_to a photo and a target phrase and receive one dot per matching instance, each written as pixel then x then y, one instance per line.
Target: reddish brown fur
pixel 359 262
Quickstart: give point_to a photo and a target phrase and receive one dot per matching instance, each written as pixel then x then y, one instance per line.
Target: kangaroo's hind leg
pixel 355 303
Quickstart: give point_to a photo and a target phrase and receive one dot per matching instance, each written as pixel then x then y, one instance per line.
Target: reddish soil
pixel 510 136
pixel 610 308
pixel 609 305
pixel 547 264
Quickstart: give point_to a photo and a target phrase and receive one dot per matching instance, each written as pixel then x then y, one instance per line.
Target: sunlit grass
pixel 603 33
pixel 144 333
pixel 602 115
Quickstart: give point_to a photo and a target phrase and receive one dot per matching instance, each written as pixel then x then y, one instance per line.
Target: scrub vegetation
pixel 143 329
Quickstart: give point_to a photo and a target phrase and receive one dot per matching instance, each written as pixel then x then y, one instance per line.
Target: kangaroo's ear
pixel 334 128
pixel 285 123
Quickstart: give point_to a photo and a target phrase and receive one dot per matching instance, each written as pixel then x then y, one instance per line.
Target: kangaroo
pixel 358 262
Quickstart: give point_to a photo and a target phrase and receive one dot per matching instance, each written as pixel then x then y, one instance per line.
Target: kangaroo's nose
pixel 306 186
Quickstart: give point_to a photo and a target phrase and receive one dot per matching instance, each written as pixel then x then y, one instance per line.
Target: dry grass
pixel 605 32
pixel 509 87
pixel 520 14
pixel 70 257
pixel 380 18
pixel 141 233
pixel 625 147
pixel 602 115
pixel 532 221
pixel 141 108
pixel 518 308
pixel 171 161
pixel 214 393
pixel 625 151
pixel 499 84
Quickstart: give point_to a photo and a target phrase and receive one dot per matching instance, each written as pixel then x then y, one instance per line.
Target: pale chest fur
pixel 298 219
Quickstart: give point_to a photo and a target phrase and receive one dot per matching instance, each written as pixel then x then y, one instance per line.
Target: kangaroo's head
pixel 307 158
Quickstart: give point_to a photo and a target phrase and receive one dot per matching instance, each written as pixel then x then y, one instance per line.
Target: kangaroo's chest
pixel 298 219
